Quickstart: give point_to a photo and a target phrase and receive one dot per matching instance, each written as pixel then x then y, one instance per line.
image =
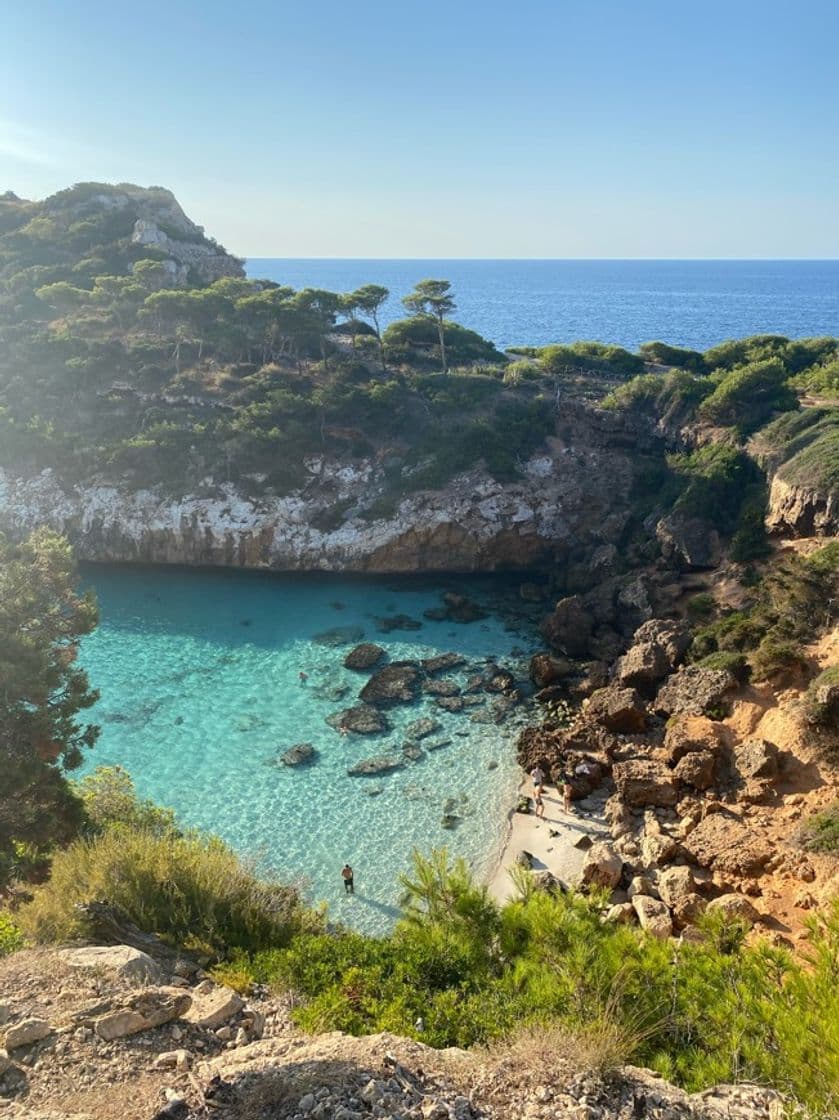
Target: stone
pixel 362 719
pixel 734 905
pixel 499 680
pixel 620 710
pixel 569 627
pixel 180 1060
pixel 381 764
pixel 121 961
pixel 757 758
pixel 675 884
pixel 657 848
pixel 688 910
pixel 622 914
pixel 695 690
pixel 643 782
pixel 687 734
pixel 5 1062
pixel 641 885
pixel 657 647
pixel 723 843
pixel 151 1007
pixel 364 656
pixel 339 636
pixel 602 866
pixel 397 622
pixel 653 916
pixel 420 728
pixel 398 683
pixel 546 670
pixel 301 754
pixel 412 751
pixel 696 769
pixel 442 662
pixel 27 1032
pixel 440 688
pixel 215 1008
pixel 459 608
pixel 450 703
pixel 690 542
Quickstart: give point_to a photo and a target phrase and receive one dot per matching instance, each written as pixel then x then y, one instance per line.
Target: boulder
pixel 398 683
pixel 26 1032
pixel 602 866
pixel 723 843
pixel 657 848
pixel 442 662
pixel 653 916
pixel 397 622
pixel 546 670
pixel 381 764
pixel 596 676
pixel 696 769
pixel 152 1007
pixel 450 703
pixel 734 905
pixel 441 688
pixel 622 914
pixel 179 1060
pixel 620 710
pixel 362 719
pixel 419 728
pixel 339 636
pixel 686 734
pixel 675 884
pixel 657 647
pixel 642 782
pixel 214 1008
pixel 688 910
pixel 757 758
pixel 695 690
pixel 689 542
pixel 5 1062
pixel 364 656
pixel 459 608
pixel 569 627
pixel 499 680
pixel 641 885
pixel 121 961
pixel 301 754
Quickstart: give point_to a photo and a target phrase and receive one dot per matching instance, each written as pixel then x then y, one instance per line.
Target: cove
pixel 199 675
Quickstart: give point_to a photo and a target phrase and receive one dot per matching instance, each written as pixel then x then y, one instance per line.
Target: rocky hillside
pixel 94 1032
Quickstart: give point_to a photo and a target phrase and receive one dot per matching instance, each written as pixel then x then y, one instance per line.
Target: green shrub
pixel 817 703
pixel 181 887
pixel 750 541
pixel 662 354
pixel 821 832
pixel 590 357
pixel 774 656
pixel 110 801
pixel 11 936
pixel 735 663
pixel 747 396
pixel 701 606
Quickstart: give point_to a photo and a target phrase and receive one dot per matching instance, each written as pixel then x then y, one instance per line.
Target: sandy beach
pixel 551 841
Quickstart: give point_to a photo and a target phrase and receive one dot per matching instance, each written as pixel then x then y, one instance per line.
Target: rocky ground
pixel 702 783
pixel 96 1033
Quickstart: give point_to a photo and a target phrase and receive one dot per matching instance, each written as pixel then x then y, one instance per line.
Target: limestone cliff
pixel 798 510
pixel 567 498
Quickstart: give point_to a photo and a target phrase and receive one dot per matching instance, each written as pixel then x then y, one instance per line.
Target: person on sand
pixel 537 776
pixel 564 779
pixel 540 804
pixel 347 876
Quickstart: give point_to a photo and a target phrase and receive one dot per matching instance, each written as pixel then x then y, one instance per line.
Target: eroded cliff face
pixel 801 511
pixel 569 497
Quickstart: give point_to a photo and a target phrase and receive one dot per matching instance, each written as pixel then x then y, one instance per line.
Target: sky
pixel 471 128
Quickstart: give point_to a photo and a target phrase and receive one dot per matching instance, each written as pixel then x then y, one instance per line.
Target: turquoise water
pixel 532 303
pixel 200 694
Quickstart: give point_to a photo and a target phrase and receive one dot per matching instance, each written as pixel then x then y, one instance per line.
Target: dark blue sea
pixel 535 302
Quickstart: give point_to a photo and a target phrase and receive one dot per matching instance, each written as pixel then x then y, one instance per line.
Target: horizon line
pixel 569 260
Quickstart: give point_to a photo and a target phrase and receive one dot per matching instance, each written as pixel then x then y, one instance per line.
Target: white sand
pixel 556 854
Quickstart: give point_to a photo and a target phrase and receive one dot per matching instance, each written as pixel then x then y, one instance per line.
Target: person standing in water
pixel 347 876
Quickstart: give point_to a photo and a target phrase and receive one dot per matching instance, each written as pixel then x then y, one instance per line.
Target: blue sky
pixel 543 128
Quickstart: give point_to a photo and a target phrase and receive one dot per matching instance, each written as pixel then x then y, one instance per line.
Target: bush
pixel 701 606
pixel 747 396
pixel 819 707
pixel 11 936
pixel 774 656
pixel 181 887
pixel 821 832
pixel 734 663
pixel 110 801
pixel 662 354
pixel 590 357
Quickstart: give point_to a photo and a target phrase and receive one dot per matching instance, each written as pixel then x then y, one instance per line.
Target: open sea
pixel 200 694
pixel 532 303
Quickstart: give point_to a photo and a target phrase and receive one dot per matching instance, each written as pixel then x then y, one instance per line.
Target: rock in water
pixel 299 755
pixel 422 727
pixel 398 683
pixel 381 764
pixel 339 636
pixel 442 661
pixel 362 719
pixel 397 622
pixel 364 656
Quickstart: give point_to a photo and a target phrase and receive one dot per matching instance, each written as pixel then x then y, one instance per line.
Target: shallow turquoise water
pixel 198 674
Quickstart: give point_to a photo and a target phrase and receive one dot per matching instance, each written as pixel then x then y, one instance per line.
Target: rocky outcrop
pixel 364 656
pixel 801 511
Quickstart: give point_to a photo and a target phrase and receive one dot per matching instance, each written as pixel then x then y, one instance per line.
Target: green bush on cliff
pixel 590 357
pixel 660 353
pixel 748 395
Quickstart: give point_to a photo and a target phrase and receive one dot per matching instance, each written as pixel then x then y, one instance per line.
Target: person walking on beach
pixel 564 776
pixel 537 776
pixel 540 804
pixel 347 876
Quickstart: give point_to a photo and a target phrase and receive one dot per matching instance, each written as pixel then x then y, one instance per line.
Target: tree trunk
pixel 379 340
pixel 442 344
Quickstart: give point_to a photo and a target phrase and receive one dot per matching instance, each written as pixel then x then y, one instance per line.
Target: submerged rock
pixel 364 656
pixel 459 608
pixel 397 622
pixel 381 764
pixel 419 728
pixel 440 688
pixel 362 719
pixel 300 754
pixel 398 683
pixel 339 636
pixel 412 751
pixel 442 661
pixel 438 744
pixel 450 703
